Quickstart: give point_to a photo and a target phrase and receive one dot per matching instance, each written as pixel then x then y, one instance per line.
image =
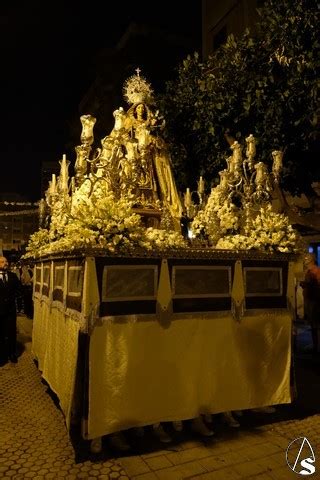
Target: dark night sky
pixel 47 64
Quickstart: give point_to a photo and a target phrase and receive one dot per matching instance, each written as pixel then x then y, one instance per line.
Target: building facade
pixel 156 50
pixel 222 18
pixel 18 220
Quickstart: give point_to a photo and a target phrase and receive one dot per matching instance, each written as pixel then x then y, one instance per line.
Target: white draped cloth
pixel 143 373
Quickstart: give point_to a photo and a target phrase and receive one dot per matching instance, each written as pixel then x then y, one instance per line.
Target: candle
pixel 201 185
pixel 187 198
pixel 53 183
pixel 64 173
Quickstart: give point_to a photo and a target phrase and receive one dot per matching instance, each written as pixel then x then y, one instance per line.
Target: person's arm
pixel 17 285
pixel 308 279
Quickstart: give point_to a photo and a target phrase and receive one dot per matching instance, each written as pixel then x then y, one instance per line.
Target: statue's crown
pixel 136 89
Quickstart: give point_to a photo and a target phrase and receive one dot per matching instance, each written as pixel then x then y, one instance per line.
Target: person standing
pixel 311 296
pixel 10 289
pixel 16 268
pixel 26 281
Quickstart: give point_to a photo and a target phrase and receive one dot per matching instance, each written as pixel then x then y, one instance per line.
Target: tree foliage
pixel 266 84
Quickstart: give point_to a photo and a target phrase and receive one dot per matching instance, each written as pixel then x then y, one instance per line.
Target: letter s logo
pixel 310 469
pixel 300 454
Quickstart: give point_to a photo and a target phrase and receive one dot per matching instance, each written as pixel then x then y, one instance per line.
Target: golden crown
pixel 136 89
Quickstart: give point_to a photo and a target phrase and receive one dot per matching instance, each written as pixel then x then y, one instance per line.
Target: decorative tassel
pixel 237 294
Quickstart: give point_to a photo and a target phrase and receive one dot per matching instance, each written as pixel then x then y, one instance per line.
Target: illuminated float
pixel 133 324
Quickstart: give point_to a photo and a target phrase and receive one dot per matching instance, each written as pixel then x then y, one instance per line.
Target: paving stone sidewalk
pixel 34 442
pixel 255 453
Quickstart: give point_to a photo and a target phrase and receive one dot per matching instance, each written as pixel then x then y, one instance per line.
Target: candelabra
pixel 52 193
pixel 57 200
pixel 247 183
pixel 192 207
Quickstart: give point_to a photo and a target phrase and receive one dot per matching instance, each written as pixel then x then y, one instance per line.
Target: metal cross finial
pixel 138 71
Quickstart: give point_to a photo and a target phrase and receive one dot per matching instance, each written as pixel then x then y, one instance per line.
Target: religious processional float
pixel 123 195
pixel 133 321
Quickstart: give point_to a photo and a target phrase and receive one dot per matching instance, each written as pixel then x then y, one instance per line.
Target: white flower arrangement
pixel 272 231
pixel 222 223
pixel 37 243
pixel 218 218
pixel 99 221
pixel 162 239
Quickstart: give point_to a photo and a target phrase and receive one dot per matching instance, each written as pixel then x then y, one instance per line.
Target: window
pixel 46 275
pixel 129 282
pixel 201 281
pixel 58 281
pixel 263 281
pixel 75 281
pixel 38 278
pixel 59 277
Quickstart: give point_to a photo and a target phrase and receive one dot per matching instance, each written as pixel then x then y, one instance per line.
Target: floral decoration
pixel 98 221
pixel 223 224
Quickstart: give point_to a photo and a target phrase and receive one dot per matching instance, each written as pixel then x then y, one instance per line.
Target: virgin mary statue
pixel 144 127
